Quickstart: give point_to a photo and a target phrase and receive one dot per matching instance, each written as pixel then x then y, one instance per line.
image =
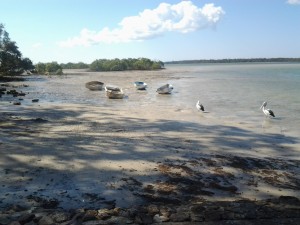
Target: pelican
pixel 199 106
pixel 267 112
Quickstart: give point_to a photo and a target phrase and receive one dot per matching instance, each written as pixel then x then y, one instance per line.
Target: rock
pixel 4 219
pixel 282 210
pixel 103 214
pixel 90 215
pixel 160 218
pixel 180 217
pixel 26 218
pixel 140 218
pixel 46 220
pixel 14 223
pixel 166 211
pixel 153 209
pixel 60 217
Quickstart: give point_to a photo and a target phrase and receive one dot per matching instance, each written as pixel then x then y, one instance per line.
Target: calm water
pixel 235 92
pixel 230 92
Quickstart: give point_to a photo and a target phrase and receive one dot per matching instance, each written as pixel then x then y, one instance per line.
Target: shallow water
pixel 235 92
pixel 229 92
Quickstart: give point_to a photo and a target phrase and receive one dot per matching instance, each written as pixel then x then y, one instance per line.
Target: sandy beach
pixel 114 155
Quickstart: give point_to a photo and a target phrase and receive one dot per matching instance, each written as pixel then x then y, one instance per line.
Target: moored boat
pixel 94 85
pixel 165 89
pixel 114 92
pixel 140 85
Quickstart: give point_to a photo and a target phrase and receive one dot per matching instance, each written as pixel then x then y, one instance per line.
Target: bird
pixel 199 106
pixel 267 112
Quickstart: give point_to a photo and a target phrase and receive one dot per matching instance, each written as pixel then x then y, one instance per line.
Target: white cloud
pixel 293 2
pixel 183 17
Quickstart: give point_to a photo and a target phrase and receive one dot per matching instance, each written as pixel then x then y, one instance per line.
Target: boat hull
pixel 114 92
pixel 166 89
pixel 140 85
pixel 94 85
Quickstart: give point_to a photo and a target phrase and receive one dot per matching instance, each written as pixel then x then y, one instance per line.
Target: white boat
pixel 165 89
pixel 114 92
pixel 140 85
pixel 94 85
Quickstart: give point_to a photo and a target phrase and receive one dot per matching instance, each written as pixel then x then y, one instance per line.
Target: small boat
pixel 165 89
pixel 114 92
pixel 140 85
pixel 94 85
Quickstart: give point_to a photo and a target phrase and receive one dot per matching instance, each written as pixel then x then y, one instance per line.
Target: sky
pixel 166 30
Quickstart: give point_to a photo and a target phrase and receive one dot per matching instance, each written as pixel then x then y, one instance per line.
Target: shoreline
pixel 108 157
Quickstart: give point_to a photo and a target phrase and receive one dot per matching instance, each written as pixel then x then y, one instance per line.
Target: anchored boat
pixel 94 85
pixel 165 89
pixel 114 92
pixel 140 85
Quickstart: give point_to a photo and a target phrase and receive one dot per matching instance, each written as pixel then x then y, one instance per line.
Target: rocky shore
pixel 283 210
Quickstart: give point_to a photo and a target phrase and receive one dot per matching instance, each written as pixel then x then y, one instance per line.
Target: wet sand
pixel 121 155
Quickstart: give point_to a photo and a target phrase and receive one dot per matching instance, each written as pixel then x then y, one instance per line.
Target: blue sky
pixel 85 30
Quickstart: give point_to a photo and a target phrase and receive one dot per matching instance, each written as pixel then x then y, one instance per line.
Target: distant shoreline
pixel 250 60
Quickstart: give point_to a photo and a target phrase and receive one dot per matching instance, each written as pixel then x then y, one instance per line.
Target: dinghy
pixel 114 92
pixel 165 89
pixel 94 85
pixel 140 85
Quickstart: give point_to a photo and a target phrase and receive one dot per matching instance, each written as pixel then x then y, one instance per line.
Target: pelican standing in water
pixel 199 106
pixel 267 112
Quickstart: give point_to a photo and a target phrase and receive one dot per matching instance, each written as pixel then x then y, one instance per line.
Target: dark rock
pixel 60 217
pixel 46 220
pixel 90 215
pixel 180 217
pixel 14 223
pixel 153 209
pixel 143 219
pixel 40 120
pixel 26 218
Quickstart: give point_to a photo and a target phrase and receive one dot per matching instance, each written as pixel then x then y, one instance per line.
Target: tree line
pixel 100 65
pixel 239 60
pixel 125 64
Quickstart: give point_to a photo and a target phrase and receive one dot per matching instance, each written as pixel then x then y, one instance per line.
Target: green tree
pixel 125 64
pixel 70 65
pixel 52 68
pixel 11 61
pixel 40 68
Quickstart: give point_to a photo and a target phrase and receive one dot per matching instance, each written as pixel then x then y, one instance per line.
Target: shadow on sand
pixel 60 158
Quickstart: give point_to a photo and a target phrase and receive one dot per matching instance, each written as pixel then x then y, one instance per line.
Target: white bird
pixel 199 106
pixel 267 112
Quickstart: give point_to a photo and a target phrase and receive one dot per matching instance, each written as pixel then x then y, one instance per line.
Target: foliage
pixel 70 65
pixel 125 64
pixel 11 61
pixel 52 68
